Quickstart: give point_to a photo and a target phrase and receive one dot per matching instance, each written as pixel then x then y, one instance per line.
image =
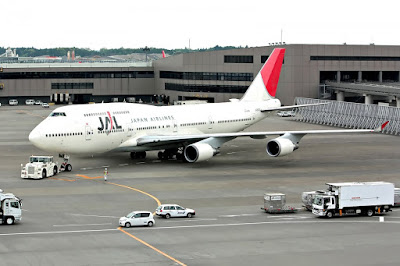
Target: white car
pixel 174 210
pixel 38 102
pixel 13 102
pixel 137 218
pixel 30 102
pixel 286 113
pixel 45 105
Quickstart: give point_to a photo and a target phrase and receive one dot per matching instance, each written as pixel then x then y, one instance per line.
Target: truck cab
pixel 324 205
pixel 10 208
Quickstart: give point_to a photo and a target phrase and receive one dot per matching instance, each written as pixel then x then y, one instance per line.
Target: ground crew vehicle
pixel 39 167
pixel 137 218
pixel 13 102
pixel 10 208
pixel 354 198
pixel 276 203
pixel 174 210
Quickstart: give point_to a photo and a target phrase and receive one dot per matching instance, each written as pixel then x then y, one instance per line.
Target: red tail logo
pixel 271 70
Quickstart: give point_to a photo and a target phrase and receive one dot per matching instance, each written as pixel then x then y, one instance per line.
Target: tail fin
pixel 265 84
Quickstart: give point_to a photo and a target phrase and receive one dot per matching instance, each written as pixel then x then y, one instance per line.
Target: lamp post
pixel 146 50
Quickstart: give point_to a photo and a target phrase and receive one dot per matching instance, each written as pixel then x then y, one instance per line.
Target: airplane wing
pixel 291 107
pixel 161 140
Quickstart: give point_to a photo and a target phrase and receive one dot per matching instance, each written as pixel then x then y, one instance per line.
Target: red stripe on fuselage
pixel 272 69
pixel 109 116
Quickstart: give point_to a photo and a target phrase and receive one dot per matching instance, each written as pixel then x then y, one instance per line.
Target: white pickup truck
pixel 39 167
pixel 10 208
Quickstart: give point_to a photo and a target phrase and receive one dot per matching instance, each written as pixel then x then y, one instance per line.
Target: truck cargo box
pixel 351 194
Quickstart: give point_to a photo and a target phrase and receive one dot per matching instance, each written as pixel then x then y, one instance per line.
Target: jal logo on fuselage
pixel 108 121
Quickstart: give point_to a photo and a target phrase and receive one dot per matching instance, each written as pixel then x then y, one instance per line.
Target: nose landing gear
pixel 65 166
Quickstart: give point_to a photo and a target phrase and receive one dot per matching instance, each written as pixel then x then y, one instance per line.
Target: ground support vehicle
pixel 308 198
pixel 174 210
pixel 355 198
pixel 276 203
pixel 137 218
pixel 39 167
pixel 10 208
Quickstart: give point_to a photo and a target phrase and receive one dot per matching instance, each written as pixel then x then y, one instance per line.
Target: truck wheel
pixel 370 212
pixel 128 224
pixel 68 168
pixel 55 170
pixel 329 214
pixel 44 174
pixel 9 220
pixel 167 216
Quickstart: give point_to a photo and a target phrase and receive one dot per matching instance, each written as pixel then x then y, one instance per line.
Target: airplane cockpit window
pixel 57 114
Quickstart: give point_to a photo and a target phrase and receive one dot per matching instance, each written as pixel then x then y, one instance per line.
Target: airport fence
pixel 349 115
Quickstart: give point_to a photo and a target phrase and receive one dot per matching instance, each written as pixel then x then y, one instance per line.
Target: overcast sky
pixel 206 23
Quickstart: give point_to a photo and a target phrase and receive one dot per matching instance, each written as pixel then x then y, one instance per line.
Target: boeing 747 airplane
pixel 193 133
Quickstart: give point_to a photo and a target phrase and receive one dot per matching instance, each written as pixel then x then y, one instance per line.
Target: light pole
pixel 146 49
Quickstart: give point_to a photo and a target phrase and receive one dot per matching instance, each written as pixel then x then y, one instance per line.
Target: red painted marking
pixel 384 125
pixel 272 69
pixel 109 116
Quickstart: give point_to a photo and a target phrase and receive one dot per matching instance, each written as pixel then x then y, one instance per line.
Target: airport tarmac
pixel 72 219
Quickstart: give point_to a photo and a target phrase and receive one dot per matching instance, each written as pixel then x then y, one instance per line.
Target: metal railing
pixel 349 115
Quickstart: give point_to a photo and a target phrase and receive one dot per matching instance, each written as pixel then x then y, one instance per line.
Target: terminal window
pixel 238 59
pixel 71 86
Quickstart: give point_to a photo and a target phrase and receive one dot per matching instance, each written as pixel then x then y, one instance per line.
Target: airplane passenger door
pixel 210 122
pixel 175 126
pixel 88 133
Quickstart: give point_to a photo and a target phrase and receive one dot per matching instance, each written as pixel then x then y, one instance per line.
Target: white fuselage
pixel 98 128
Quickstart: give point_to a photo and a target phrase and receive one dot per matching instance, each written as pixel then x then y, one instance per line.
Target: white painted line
pixel 88 168
pixel 78 224
pixel 124 164
pixel 229 153
pixel 92 215
pixel 105 166
pixel 141 162
pixel 197 220
pixel 238 215
pixel 260 223
pixel 59 232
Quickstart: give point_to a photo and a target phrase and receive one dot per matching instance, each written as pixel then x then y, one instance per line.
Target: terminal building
pixel 360 73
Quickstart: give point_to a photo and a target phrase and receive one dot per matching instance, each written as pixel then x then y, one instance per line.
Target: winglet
pixel 381 127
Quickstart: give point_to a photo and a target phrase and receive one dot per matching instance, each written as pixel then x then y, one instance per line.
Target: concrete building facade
pixel 216 76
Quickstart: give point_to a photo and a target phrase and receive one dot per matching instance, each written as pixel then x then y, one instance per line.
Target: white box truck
pixel 10 208
pixel 354 198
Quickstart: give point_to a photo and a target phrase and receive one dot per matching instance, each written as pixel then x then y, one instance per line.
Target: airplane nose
pixel 34 136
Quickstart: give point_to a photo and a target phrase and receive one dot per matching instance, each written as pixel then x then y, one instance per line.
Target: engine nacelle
pixel 198 152
pixel 280 147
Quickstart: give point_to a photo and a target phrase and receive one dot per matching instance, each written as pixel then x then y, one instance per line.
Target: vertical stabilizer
pixel 265 84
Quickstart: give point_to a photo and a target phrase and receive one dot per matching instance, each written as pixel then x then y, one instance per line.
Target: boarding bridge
pixel 349 115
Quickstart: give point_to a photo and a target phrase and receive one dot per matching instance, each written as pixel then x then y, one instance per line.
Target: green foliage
pixel 86 52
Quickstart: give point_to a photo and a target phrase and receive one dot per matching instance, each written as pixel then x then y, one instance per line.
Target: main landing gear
pixel 170 153
pixel 65 166
pixel 138 155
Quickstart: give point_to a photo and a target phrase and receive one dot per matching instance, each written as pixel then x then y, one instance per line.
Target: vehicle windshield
pixel 130 215
pixel 318 201
pixel 39 160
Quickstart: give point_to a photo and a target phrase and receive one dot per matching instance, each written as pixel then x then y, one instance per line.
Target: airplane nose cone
pixel 34 137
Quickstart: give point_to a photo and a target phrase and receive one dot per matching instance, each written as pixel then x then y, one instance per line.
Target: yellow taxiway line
pixel 150 246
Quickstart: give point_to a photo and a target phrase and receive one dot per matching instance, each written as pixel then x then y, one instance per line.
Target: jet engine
pixel 198 152
pixel 280 147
